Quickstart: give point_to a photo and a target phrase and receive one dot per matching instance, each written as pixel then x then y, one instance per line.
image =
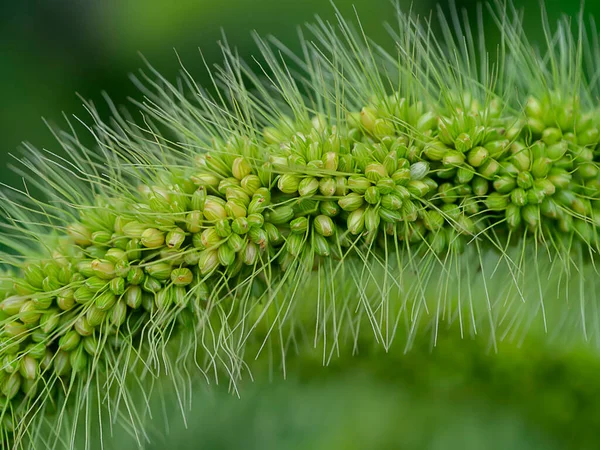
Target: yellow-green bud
pixel 182 277
pixel 375 171
pixel 28 367
pixel 85 268
pixel 80 234
pixel 358 184
pixel 250 184
pixel 134 229
pixel 320 245
pixel 330 161
pixel 557 151
pixel 255 220
pixel 250 254
pixel 69 341
pixel 62 364
pixel 308 186
pixel 504 184
pixel 240 167
pixel 356 221
pixel 208 261
pixel 29 314
pixel 372 219
pixel 105 300
pixel 417 188
pixel 235 208
pixel 288 183
pixel 299 225
pixel 12 305
pixel 496 201
pixel 513 216
pixel 83 327
pixel 83 295
pixel 327 186
pixel 159 270
pixel 551 135
pixel 351 202
pixel 531 215
pixel 78 359
pixel 103 269
pixel 205 180
pixel 463 142
pixel 524 180
pixel 477 156
pixel 214 209
pixel 489 168
pixel 324 225
pixel 175 238
pixel 341 186
pixel 329 208
pixel 117 286
pixel 34 275
pixel 280 215
pixel 226 256
pixel 240 225
pixel 11 385
pixel 115 255
pixel 453 158
pixel 95 316
pixel 49 321
pixel 372 195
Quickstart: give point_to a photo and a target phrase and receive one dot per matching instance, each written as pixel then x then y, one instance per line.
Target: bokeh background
pixel 459 395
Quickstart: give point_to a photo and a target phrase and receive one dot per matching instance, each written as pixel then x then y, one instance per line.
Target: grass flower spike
pixel 341 196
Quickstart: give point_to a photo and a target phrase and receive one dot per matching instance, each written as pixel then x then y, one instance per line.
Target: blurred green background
pixel 457 396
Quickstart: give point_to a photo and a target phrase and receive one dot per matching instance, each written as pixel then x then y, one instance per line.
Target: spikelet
pixel 359 193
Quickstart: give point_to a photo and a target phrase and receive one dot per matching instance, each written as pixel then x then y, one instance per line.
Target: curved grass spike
pixel 340 195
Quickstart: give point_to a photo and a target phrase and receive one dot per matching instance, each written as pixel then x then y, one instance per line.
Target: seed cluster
pixel 395 171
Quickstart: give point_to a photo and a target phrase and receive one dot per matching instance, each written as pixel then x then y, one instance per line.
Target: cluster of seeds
pixel 395 171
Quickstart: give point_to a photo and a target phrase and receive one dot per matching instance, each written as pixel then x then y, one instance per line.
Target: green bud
pixel 193 221
pixel 524 180
pixel 159 270
pixel 372 195
pixel 358 184
pixel 320 245
pixel 329 208
pixel 391 201
pixel 65 300
pixel 240 167
pixel 134 229
pixel 62 364
pixel 175 238
pixel 551 135
pixel 226 256
pixel 83 327
pixel 518 196
pixel 78 359
pixel 288 183
pixel 409 211
pixel 541 167
pixel 341 186
pixel 433 220
pixel 151 284
pixel 557 151
pixel 255 220
pixel 489 168
pixel 435 151
pixel 79 234
pixel 504 184
pixel 496 201
pixel 299 225
pixel 308 186
pixel 356 221
pixel 182 277
pixel 69 341
pixel 453 158
pixel 463 142
pixel 464 175
pixel 205 180
pixel 404 175
pixel 34 275
pixel 49 321
pixel 115 255
pixel 330 161
pixel 235 208
pixel 198 199
pixel 375 171
pixel 133 250
pixel 105 300
pixel 372 219
pixel 531 215
pixel 214 209
pixel 351 202
pixel 223 228
pixel 28 367
pixel 240 225
pixel 11 385
pixel 250 254
pixel 513 216
pixel 103 269
pixel 117 286
pixel 535 195
pixel 236 242
pixel 95 316
pixel 477 156
pixel 209 261
pixel 389 216
pixel 83 295
pixel 85 268
pixel 327 186
pixel 12 305
pixel 559 178
pixel 280 215
pixel 324 225
pixel 250 184
pixel 29 313
pixel 96 284
pixel 417 188
pixel 101 237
